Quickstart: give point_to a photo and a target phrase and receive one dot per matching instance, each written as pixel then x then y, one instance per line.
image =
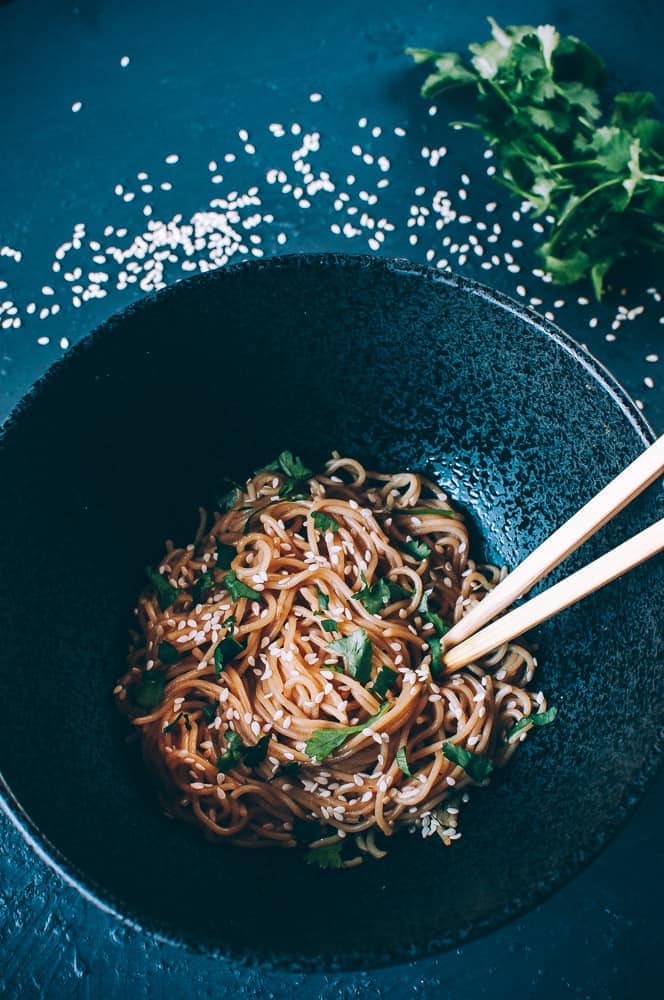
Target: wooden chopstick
pixel 593 576
pixel 604 505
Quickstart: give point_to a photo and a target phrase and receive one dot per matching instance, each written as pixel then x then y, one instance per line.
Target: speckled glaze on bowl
pixel 404 367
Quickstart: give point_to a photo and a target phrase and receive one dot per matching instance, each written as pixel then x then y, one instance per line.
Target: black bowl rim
pixel 261 956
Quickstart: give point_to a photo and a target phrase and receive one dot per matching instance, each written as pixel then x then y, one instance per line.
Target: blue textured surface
pixel 197 74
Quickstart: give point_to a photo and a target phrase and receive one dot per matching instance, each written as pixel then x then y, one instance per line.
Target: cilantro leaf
pixel 476 765
pixel 149 692
pixel 290 769
pixel 174 723
pixel 225 555
pixel 167 654
pixel 228 498
pixel 306 830
pixel 356 650
pixel 209 710
pixel 384 681
pixel 402 761
pixel 380 594
pixel 541 719
pixel 437 665
pixel 293 469
pixel 256 754
pixel 328 625
pixel 323 599
pixel 166 594
pixel 236 752
pixel 328 856
pixel 324 522
pixel 419 550
pixel 231 757
pixel 324 742
pixel 225 651
pixel 201 589
pixel 237 589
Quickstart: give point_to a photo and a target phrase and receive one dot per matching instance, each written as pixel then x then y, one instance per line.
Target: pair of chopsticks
pixel 472 638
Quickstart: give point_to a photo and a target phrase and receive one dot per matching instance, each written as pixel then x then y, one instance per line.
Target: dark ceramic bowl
pixel 404 367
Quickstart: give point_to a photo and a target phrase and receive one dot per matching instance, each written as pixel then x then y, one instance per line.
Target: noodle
pixel 233 686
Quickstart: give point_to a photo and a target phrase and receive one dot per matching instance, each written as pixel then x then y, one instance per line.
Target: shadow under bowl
pixel 403 367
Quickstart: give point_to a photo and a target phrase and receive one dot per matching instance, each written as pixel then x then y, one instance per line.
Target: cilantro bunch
pixel 600 175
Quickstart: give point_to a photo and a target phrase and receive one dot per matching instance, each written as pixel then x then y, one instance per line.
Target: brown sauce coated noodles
pixel 231 679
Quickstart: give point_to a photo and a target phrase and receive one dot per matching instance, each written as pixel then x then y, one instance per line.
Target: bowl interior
pixel 405 369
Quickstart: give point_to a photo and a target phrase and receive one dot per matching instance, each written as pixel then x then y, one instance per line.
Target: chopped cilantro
pixel 306 830
pixel 150 691
pixel 231 756
pixel 440 625
pixel 167 654
pixel 209 710
pixel 323 599
pixel 290 769
pixel 541 719
pixel 380 594
pixel 416 549
pixel 256 754
pixel 356 650
pixel 402 761
pixel 237 589
pixel 173 724
pixel 254 511
pixel 437 664
pixel 384 681
pixel 227 499
pixel 328 856
pixel 324 522
pixel 237 752
pixel 202 588
pixel 328 625
pixel 476 765
pixel 225 555
pixel 225 651
pixel 293 470
pixel 323 742
pixel 440 628
pixel 166 594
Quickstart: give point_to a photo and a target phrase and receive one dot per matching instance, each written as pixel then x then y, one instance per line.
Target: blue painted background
pixel 200 71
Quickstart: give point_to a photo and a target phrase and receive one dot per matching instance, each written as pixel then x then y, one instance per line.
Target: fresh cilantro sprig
pixel 324 742
pixel 598 171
